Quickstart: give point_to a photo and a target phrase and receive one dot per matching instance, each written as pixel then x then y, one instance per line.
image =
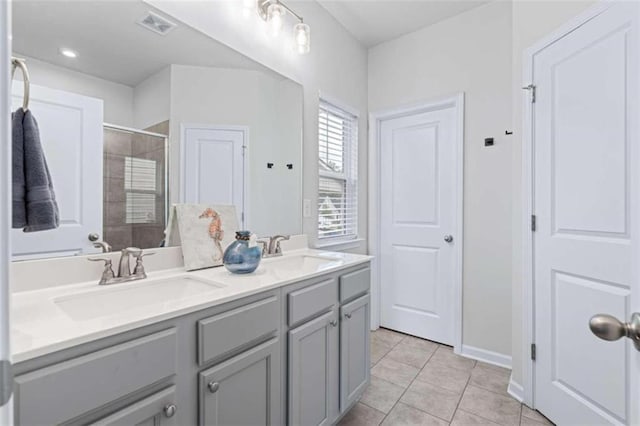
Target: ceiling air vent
pixel 156 23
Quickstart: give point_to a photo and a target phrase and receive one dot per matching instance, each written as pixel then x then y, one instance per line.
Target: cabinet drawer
pixel 354 284
pixel 231 330
pixel 312 300
pixel 158 409
pixel 63 391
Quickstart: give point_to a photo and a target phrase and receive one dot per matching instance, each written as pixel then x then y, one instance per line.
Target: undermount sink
pixel 127 297
pixel 301 264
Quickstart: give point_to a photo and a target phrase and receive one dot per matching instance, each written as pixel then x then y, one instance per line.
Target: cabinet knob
pixel 347 315
pixel 334 323
pixel 213 387
pixel 170 410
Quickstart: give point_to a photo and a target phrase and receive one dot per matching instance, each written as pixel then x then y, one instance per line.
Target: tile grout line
pixel 467 384
pixel 409 385
pixel 381 358
pixel 463 391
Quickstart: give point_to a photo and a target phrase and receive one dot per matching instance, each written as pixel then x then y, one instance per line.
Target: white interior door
pixel 72 138
pixel 213 164
pixel 418 214
pixel 586 199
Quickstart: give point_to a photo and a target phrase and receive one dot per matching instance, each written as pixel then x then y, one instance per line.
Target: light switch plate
pixel 306 208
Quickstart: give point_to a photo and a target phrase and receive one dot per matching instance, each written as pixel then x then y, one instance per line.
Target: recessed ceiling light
pixel 68 52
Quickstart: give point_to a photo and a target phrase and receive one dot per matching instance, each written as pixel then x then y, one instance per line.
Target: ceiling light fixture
pixel 275 16
pixel 274 12
pixel 68 53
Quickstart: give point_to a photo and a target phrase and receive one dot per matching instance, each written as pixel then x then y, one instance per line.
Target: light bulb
pixel 68 53
pixel 302 34
pixel 248 6
pixel 275 16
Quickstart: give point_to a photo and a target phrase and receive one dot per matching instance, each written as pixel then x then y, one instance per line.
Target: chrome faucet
pixel 103 245
pixel 271 246
pixel 124 267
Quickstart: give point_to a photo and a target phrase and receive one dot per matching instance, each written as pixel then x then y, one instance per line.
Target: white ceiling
pixel 110 43
pixel 376 21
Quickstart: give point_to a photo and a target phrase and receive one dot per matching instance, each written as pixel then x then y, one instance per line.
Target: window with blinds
pixel 338 170
pixel 140 184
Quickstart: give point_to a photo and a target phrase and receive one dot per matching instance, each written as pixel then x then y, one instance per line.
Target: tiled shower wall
pixel 119 145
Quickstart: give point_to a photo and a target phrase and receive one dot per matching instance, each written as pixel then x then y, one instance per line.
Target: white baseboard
pixel 515 390
pixel 490 357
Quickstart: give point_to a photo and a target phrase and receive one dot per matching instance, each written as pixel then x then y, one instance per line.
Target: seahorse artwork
pixel 215 231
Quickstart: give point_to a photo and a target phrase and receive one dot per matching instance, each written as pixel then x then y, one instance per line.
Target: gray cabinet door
pixel 313 372
pixel 157 410
pixel 244 390
pixel 354 350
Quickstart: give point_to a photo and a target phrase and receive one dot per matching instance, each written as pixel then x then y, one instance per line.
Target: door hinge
pixel 532 89
pixel 533 351
pixel 533 223
pixel 6 381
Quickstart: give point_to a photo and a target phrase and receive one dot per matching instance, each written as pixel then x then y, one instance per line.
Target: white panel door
pixel 586 166
pixel 213 164
pixel 417 212
pixel 72 137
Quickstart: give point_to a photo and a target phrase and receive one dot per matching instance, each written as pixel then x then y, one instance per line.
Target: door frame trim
pixel 375 120
pixel 526 273
pixel 6 409
pixel 245 162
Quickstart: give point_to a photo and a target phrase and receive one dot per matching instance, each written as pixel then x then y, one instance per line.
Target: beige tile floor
pixel 419 382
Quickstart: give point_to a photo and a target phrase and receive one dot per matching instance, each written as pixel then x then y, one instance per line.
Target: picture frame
pixel 204 231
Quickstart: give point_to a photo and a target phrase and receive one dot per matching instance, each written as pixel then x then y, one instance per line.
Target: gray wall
pixel 468 53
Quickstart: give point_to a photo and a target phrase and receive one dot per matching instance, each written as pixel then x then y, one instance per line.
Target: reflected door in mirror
pixel 213 164
pixel 71 135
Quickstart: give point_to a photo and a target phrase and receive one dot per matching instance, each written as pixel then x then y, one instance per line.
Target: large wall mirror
pixel 138 111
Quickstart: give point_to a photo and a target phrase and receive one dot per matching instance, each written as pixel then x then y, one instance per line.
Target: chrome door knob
pixel 170 410
pixel 333 323
pixel 610 328
pixel 448 238
pixel 213 387
pixel 94 236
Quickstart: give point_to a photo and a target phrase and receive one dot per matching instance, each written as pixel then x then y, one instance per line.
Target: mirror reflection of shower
pixel 135 186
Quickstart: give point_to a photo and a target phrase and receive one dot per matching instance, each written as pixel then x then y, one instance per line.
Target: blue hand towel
pixel 34 195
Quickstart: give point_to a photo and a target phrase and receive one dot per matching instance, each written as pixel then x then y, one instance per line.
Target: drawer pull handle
pixel 170 410
pixel 334 323
pixel 348 316
pixel 213 387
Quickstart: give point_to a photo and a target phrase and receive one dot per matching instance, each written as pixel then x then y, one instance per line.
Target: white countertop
pixel 40 326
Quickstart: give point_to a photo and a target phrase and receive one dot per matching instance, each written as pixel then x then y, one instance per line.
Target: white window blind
pixel 338 170
pixel 140 184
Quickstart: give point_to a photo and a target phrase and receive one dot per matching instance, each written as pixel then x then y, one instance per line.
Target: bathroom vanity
pixel 144 123
pixel 286 345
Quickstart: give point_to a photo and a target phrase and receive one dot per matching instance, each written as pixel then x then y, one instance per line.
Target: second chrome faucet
pixel 271 245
